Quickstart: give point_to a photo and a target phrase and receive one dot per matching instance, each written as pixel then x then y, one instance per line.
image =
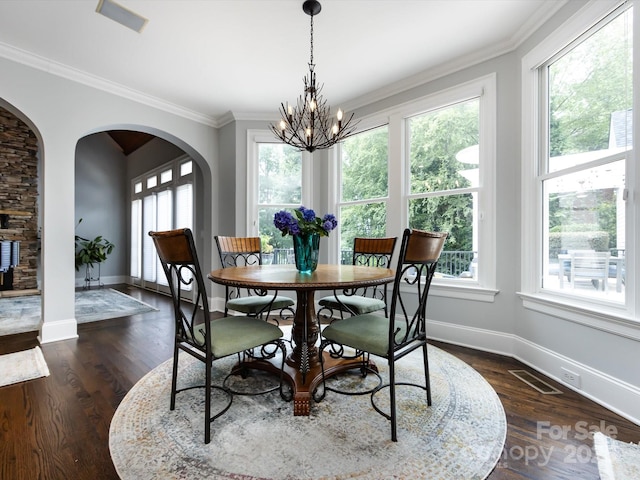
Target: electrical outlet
pixel 571 378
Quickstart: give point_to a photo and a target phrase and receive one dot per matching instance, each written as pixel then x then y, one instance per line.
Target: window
pixel 430 165
pixel 577 161
pixel 364 181
pixel 277 183
pixel 444 183
pixel 158 207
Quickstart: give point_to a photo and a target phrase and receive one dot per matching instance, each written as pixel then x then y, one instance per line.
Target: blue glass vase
pixel 305 248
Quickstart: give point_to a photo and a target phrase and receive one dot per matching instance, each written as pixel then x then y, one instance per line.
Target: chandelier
pixel 309 125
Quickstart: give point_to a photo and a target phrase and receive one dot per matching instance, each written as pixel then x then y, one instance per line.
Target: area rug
pixel 22 314
pixel 461 436
pixel 616 460
pixel 22 366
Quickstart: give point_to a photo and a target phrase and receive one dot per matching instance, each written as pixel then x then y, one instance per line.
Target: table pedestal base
pixel 303 389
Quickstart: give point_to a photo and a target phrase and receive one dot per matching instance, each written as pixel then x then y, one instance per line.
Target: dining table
pixel 302 367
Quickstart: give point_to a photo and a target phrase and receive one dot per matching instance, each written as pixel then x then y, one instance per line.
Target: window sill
pixel 463 292
pixel 609 318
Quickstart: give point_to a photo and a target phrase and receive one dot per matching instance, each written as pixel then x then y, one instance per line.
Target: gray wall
pixel 101 190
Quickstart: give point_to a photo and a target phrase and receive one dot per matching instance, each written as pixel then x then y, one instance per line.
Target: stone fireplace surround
pixel 19 199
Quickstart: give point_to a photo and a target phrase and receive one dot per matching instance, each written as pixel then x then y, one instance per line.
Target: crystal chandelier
pixel 309 125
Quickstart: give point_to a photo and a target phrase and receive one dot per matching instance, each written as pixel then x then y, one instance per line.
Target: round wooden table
pixel 302 366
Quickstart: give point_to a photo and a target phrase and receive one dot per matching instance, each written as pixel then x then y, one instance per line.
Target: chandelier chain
pixel 311 43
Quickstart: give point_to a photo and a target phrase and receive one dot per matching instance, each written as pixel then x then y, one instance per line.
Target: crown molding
pixel 40 63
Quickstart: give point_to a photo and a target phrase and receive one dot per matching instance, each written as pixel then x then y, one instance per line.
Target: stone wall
pixel 19 194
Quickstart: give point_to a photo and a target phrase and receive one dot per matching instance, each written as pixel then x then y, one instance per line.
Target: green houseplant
pixel 90 252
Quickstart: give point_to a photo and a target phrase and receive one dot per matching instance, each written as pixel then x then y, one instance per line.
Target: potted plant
pixel 90 252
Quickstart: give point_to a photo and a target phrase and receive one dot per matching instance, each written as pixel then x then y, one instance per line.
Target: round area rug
pixel 461 436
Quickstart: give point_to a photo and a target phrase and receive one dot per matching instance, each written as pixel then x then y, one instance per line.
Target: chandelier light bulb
pixel 283 125
pixel 308 132
pixel 339 115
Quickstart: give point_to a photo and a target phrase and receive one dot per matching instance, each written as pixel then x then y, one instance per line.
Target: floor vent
pixel 535 382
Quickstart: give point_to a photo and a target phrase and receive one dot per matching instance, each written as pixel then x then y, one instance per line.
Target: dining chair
pixel 202 337
pixel 593 266
pixel 241 251
pixel 372 252
pixel 394 337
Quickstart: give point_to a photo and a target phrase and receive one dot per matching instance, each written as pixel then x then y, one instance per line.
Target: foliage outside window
pixel 443 150
pixel 279 187
pixel 364 188
pixel 582 170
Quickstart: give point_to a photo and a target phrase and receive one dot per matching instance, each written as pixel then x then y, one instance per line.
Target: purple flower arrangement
pixel 304 221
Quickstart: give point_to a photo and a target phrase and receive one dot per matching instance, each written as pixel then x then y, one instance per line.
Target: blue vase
pixel 305 248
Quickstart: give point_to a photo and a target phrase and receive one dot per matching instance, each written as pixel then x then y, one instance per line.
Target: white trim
pixel 64 71
pixel 255 137
pixel 612 319
pixel 587 312
pixel 54 331
pixel 610 392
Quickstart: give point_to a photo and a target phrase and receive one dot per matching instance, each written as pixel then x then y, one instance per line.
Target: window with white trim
pixel 437 157
pixel 364 188
pixel 158 206
pixel 277 180
pixel 577 163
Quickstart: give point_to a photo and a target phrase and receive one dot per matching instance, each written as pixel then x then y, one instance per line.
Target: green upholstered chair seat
pixel 368 332
pixel 231 335
pixel 356 303
pixel 255 304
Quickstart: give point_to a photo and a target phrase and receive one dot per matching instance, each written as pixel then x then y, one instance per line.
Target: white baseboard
pixel 216 304
pixel 610 392
pixel 54 331
pixel 111 280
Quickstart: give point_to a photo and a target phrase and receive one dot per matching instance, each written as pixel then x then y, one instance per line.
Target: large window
pixel 275 183
pixel 430 166
pixel 161 199
pixel 580 152
pixel 444 183
pixel 364 189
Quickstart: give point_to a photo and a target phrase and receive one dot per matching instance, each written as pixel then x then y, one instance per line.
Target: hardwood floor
pixel 58 427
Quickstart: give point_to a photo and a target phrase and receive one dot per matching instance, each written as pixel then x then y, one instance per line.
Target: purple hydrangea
pixel 282 220
pixel 303 221
pixel 308 214
pixel 329 222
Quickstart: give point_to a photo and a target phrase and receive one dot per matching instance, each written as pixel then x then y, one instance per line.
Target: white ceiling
pixel 211 57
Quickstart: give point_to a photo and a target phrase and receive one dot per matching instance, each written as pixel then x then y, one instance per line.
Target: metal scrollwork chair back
pixel 394 337
pixel 196 333
pixel 372 252
pixel 241 251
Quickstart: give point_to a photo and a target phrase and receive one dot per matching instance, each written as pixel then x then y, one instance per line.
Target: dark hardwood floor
pixel 58 427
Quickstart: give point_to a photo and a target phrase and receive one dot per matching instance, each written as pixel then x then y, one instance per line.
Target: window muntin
pixel 587 120
pixel 364 181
